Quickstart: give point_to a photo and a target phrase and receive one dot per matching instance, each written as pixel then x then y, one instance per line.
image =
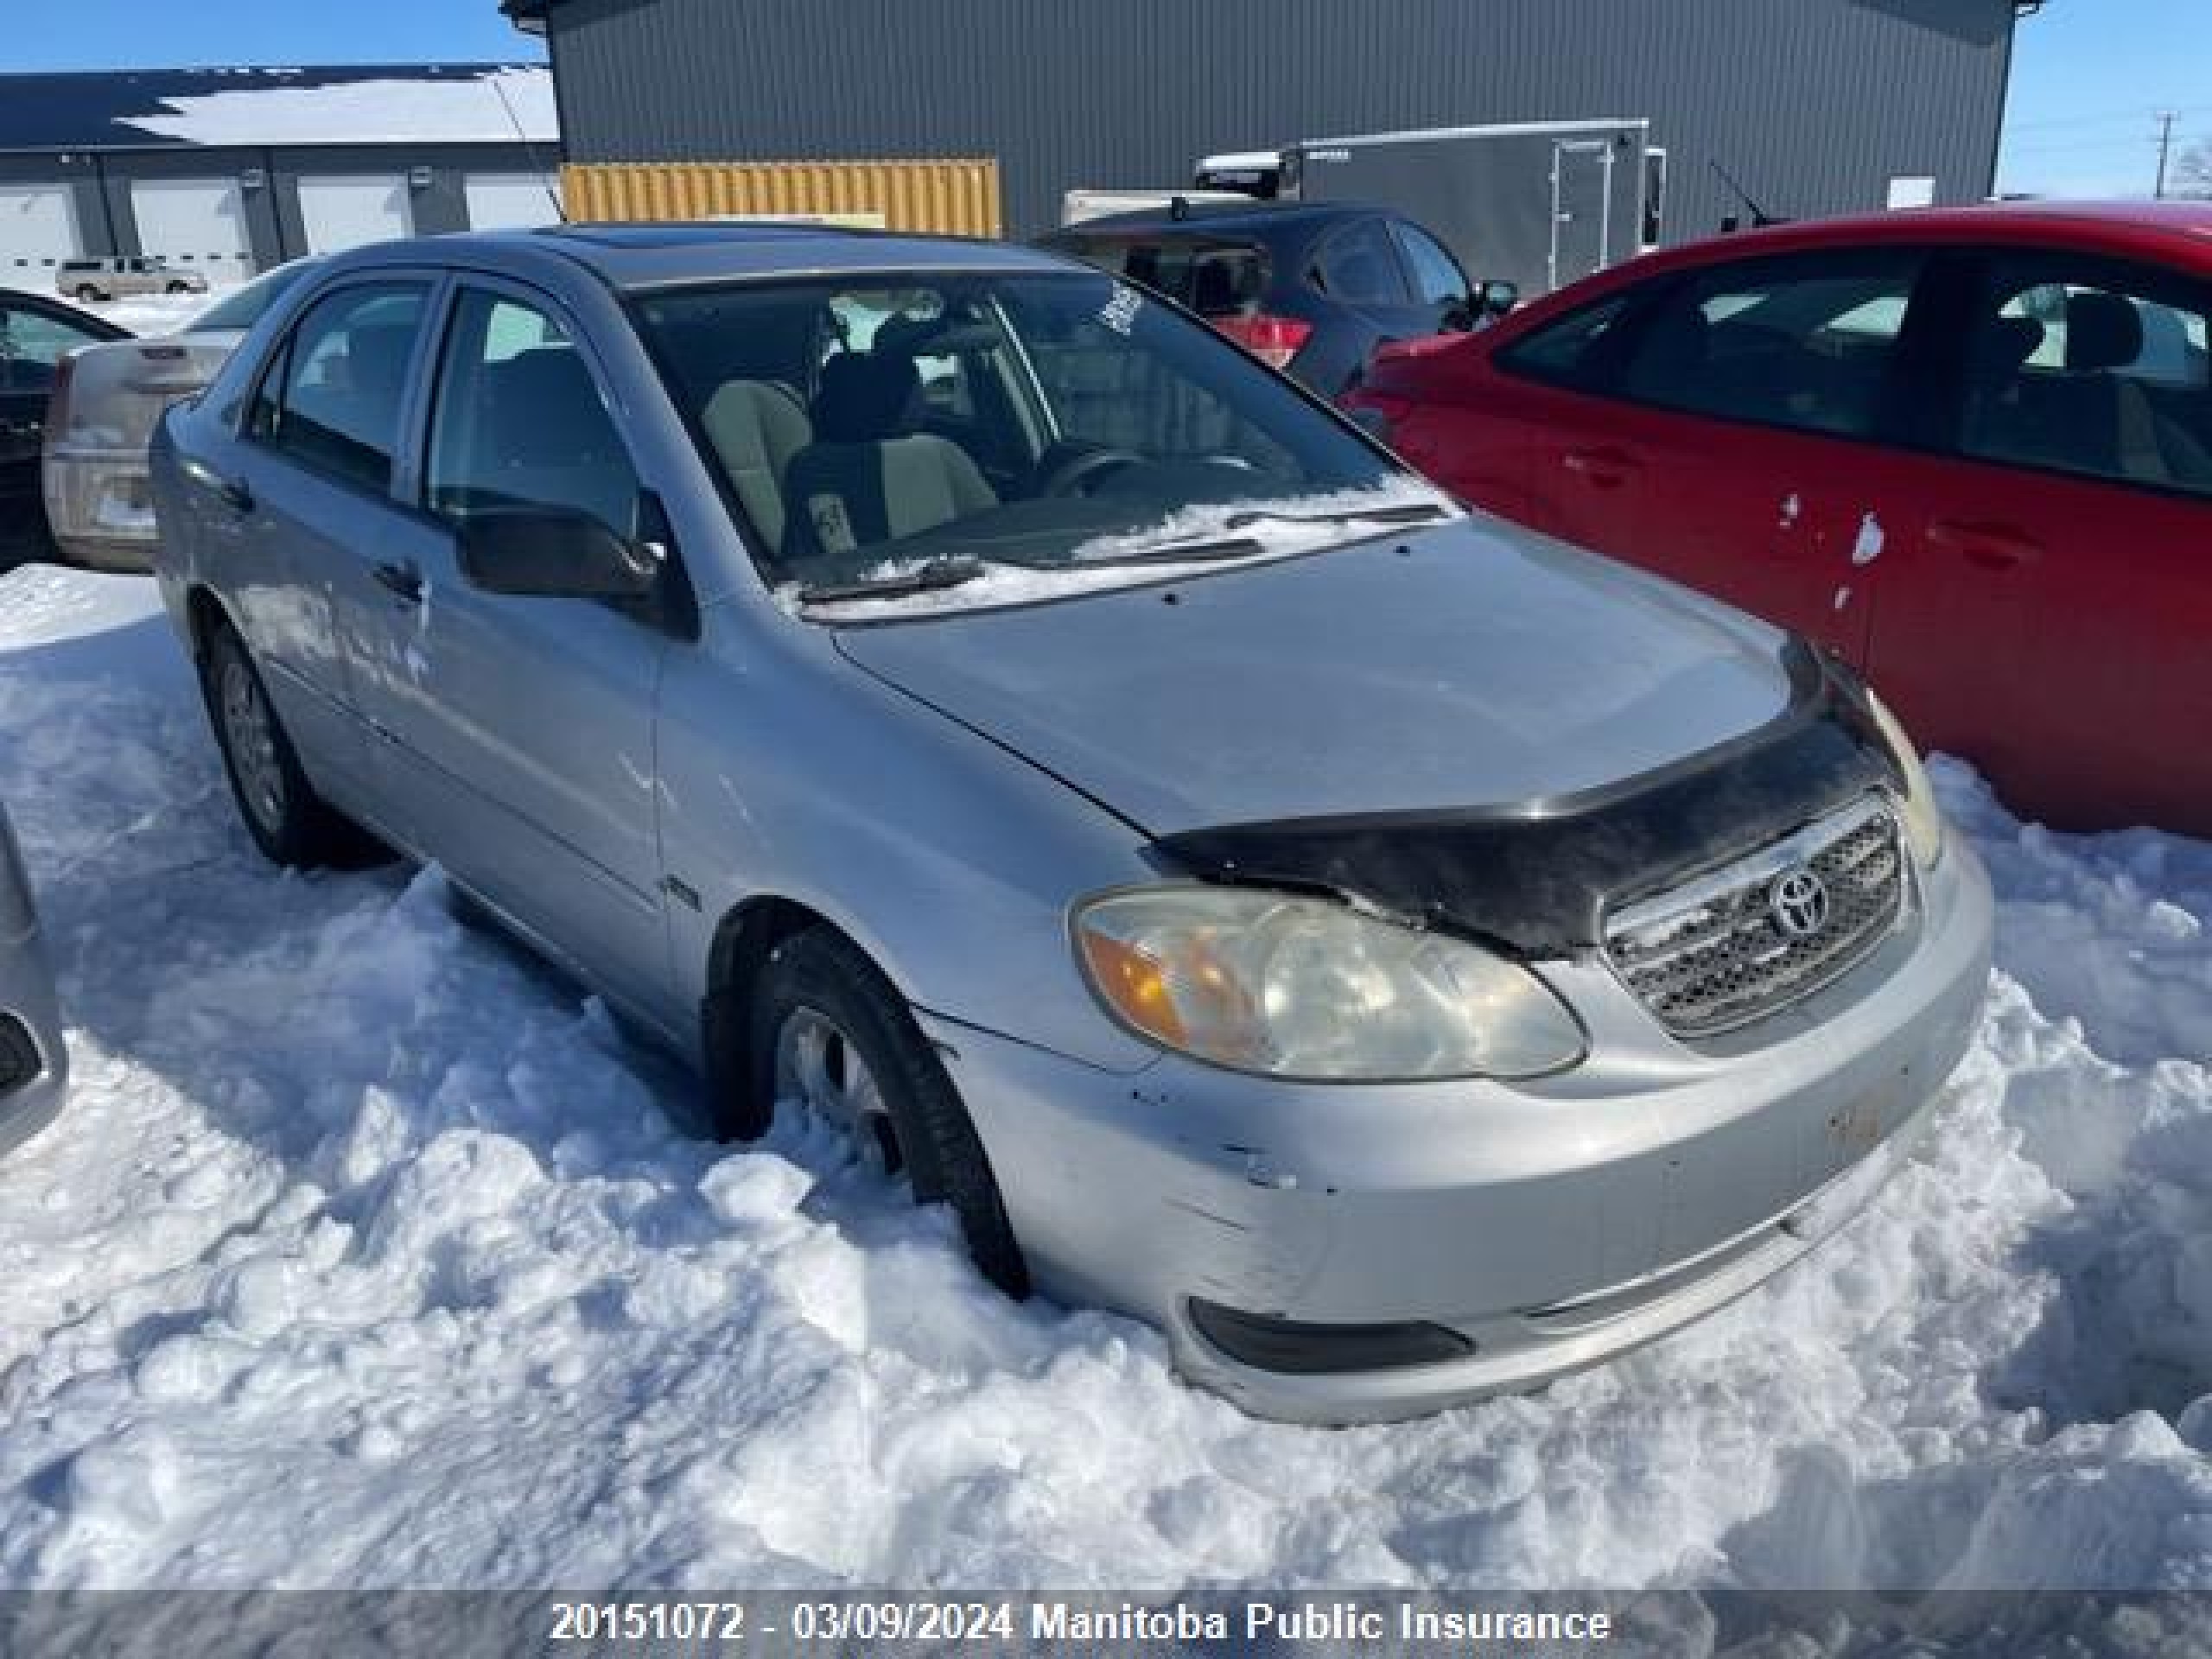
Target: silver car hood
pixel 1468 665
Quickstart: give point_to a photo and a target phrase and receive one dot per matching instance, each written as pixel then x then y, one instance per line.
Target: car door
pixel 521 727
pixel 1749 447
pixel 2046 609
pixel 292 527
pixel 33 338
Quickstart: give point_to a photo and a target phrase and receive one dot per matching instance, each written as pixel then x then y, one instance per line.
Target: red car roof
pixel 2177 234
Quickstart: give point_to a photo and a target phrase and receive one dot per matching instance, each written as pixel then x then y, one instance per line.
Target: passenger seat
pixel 758 428
pixel 868 477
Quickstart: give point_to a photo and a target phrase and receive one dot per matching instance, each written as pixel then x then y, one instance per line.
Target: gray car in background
pixel 100 417
pixel 34 1065
pixel 944 689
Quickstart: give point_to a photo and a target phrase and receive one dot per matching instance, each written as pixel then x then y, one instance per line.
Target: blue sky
pixel 2088 75
pixel 2087 78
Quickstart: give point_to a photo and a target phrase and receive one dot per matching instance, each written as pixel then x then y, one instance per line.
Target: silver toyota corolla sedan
pixel 34 1065
pixel 937 687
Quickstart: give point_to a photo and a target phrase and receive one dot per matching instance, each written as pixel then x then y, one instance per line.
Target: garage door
pixel 506 201
pixel 344 212
pixel 197 223
pixel 38 230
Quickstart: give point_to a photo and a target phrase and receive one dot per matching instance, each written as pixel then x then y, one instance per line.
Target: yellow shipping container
pixel 954 198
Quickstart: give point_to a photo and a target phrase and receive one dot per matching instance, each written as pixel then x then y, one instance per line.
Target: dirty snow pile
pixel 366 1253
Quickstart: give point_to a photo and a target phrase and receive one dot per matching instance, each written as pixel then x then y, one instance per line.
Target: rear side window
pixel 1214 279
pixel 330 398
pixel 1806 343
pixel 2088 368
pixel 519 422
pixel 1358 266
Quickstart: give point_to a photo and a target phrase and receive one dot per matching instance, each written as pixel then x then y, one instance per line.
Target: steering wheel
pixel 1069 477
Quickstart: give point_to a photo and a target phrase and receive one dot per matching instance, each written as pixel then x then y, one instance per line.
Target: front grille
pixel 1735 946
pixel 19 1060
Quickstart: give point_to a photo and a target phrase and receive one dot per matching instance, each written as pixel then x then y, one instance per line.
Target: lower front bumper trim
pixel 1288 1347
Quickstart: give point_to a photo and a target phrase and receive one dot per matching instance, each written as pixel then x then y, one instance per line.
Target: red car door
pixel 1751 424
pixel 2045 606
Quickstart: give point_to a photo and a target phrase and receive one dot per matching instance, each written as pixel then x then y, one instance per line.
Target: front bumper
pixel 1552 1224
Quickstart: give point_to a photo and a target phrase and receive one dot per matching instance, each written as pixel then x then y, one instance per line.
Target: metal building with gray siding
pixel 1816 106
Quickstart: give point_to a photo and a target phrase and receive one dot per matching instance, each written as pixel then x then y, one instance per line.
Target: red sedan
pixel 1969 450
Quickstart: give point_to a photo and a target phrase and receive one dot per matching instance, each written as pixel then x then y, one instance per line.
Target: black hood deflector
pixel 1538 878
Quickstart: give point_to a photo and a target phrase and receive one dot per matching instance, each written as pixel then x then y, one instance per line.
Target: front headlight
pixel 1295 986
pixel 1923 819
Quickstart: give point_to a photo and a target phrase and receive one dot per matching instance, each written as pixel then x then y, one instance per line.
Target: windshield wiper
pixel 1195 551
pixel 929 578
pixel 1406 513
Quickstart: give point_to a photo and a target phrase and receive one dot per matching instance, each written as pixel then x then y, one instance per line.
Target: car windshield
pixel 242 308
pixel 1014 435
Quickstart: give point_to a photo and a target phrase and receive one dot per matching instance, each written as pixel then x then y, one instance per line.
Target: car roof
pixel 1258 216
pixel 646 256
pixel 2151 227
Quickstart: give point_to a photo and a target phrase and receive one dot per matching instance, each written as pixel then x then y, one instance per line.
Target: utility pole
pixel 2165 144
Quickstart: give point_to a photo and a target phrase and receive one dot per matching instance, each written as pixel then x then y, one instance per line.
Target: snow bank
pixel 366 1254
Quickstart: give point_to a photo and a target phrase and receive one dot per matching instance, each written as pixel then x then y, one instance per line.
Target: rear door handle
pixel 402 578
pixel 1608 468
pixel 1988 547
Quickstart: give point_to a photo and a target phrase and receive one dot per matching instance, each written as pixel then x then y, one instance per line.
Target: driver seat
pixel 867 476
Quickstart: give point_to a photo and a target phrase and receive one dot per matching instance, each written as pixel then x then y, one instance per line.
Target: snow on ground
pixel 366 1254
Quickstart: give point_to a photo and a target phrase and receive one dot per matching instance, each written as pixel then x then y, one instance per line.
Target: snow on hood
pixel 1278 526
pixel 463 109
pixel 1463 665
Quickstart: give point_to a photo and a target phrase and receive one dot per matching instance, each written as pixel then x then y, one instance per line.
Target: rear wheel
pixel 830 1037
pixel 88 293
pixel 179 287
pixel 287 820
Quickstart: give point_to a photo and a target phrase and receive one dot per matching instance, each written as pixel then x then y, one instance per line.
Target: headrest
pixel 377 353
pixel 865 397
pixel 2103 331
pixel 2010 342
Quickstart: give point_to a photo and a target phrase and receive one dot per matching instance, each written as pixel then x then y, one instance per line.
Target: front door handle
pixel 1989 547
pixel 1606 468
pixel 401 577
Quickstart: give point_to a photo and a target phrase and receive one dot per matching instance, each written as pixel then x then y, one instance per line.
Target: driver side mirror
pixel 554 553
pixel 1495 298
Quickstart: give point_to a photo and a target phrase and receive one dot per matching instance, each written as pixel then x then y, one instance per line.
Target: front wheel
pixel 830 1037
pixel 287 820
pixel 88 293
pixel 179 287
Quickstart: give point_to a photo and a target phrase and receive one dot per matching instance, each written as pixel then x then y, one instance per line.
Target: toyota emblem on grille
pixel 1798 901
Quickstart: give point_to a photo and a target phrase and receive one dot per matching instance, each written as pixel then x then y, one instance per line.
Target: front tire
pixel 830 1035
pixel 287 820
pixel 88 293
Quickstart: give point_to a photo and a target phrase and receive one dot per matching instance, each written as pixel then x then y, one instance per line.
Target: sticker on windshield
pixel 1120 313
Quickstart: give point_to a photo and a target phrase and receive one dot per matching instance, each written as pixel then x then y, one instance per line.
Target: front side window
pixel 518 422
pixel 1024 421
pixel 1573 352
pixel 1438 279
pixel 1807 343
pixel 2092 370
pixel 332 396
